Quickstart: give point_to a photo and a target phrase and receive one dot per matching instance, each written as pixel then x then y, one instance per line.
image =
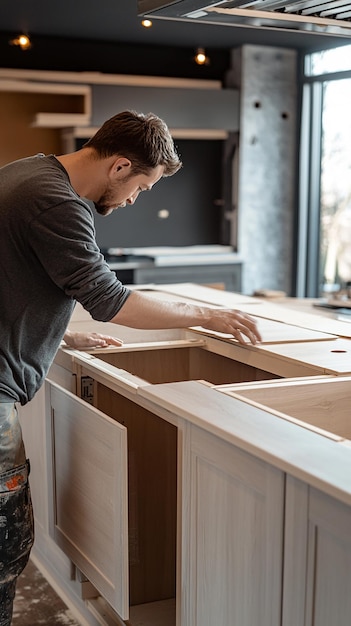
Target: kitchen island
pixel 185 480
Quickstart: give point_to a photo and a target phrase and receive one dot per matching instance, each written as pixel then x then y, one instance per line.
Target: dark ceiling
pixel 117 21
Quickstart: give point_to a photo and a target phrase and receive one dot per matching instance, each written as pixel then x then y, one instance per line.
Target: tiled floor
pixel 37 604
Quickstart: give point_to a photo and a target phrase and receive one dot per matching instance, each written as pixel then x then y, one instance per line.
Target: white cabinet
pixel 315 415
pixel 317 576
pixel 188 503
pixel 234 522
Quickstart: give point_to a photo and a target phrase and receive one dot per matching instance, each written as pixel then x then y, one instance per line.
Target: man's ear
pixel 121 164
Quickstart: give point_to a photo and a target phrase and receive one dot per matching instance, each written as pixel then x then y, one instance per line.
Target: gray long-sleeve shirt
pixel 49 259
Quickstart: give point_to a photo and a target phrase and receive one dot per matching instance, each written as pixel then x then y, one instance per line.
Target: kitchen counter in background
pixel 208 264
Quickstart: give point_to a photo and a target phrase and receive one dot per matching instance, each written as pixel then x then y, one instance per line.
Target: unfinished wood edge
pixel 59 120
pixel 143 346
pixel 199 133
pixel 274 382
pixel 85 132
pixel 119 380
pixel 38 87
pixel 206 383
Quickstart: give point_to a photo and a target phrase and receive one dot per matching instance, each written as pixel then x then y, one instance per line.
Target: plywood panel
pixel 300 312
pixel 323 404
pixel 274 332
pixel 183 363
pixel 218 369
pixel 18 138
pixel 327 357
pixel 155 366
pixel 198 293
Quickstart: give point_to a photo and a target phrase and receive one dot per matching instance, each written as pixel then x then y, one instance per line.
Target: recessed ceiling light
pixel 201 57
pixel 22 41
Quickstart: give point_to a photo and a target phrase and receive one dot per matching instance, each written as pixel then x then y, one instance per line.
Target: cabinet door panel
pixel 329 562
pixel 236 505
pixel 317 573
pixel 89 475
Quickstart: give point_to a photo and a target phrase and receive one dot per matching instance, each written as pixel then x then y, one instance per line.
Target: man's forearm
pixel 145 312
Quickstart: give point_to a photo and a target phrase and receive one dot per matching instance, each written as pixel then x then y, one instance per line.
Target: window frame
pixel 308 271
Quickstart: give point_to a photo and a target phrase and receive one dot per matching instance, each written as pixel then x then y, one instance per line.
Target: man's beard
pixel 103 206
pixel 101 209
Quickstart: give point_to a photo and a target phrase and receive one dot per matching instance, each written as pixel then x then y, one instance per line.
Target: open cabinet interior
pixel 186 362
pixel 152 497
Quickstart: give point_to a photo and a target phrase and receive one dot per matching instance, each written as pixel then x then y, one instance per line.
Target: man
pixel 49 261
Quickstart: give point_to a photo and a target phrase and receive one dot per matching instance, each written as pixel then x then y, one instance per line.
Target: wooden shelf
pixel 162 613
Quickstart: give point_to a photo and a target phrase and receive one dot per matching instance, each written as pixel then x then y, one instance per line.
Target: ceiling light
pixel 147 23
pixel 22 41
pixel 200 57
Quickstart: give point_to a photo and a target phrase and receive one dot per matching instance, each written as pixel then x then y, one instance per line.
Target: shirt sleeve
pixel 63 240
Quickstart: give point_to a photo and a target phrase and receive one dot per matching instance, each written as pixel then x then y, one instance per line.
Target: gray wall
pixel 189 197
pixel 179 107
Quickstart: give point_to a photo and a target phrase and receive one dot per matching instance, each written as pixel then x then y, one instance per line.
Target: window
pixel 325 176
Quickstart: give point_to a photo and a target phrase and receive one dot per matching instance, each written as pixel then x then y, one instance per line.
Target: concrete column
pixel 266 181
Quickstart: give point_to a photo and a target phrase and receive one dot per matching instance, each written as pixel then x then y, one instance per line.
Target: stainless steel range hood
pixel 329 17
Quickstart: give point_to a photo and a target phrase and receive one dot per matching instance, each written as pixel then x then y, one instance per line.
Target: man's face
pixel 125 188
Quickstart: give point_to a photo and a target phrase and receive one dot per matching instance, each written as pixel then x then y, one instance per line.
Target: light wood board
pixel 274 332
pixel 295 312
pixel 200 293
pixel 329 357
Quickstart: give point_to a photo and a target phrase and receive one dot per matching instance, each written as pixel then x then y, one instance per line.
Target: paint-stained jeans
pixel 16 515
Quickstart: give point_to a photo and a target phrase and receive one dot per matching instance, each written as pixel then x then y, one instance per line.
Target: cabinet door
pixel 317 579
pixel 234 560
pixel 89 509
pixel 329 562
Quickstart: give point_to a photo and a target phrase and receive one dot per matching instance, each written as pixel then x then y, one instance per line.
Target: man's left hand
pixel 90 340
